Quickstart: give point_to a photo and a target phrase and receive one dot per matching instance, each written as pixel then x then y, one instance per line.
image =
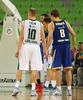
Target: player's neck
pixel 56 18
pixel 33 18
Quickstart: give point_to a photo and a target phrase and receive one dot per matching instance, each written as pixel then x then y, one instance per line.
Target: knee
pixel 34 73
pixel 53 70
pixel 67 70
pixel 57 69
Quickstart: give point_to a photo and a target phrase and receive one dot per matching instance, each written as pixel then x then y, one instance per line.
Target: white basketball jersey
pixel 32 29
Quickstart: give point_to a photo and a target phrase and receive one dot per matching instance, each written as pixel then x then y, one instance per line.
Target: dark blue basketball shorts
pixel 62 56
pixel 41 49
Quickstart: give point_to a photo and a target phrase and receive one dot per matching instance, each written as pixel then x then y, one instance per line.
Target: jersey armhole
pixel 66 24
pixel 53 26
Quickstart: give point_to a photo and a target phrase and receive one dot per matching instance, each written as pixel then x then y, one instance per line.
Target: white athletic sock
pixel 33 86
pixel 53 82
pixel 69 87
pixel 59 87
pixel 47 83
pixel 17 84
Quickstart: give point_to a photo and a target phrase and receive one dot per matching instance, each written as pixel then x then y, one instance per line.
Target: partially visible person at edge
pixel 79 64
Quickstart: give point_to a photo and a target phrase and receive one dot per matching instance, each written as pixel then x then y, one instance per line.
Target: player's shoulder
pixel 38 21
pixel 26 20
pixel 67 22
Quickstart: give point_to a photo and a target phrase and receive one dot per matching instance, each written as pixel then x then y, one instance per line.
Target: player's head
pixel 80 45
pixel 43 16
pixel 46 21
pixel 32 12
pixel 54 13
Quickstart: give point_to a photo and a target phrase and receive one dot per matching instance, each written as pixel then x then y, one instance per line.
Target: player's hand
pixel 74 48
pixel 46 53
pixel 17 54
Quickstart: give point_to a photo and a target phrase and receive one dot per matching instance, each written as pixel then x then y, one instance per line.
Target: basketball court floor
pixel 24 94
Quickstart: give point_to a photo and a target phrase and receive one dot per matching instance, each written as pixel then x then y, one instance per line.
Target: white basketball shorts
pixel 30 53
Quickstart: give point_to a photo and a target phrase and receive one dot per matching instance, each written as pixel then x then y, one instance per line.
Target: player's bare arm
pixel 44 41
pixel 50 35
pixel 20 41
pixel 73 36
pixel 47 38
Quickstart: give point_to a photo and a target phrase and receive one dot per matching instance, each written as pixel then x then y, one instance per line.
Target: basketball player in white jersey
pixel 28 49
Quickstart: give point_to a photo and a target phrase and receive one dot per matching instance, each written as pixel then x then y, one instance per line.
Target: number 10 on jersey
pixel 32 34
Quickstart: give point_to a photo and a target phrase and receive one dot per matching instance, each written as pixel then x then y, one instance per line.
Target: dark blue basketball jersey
pixel 61 33
pixel 46 34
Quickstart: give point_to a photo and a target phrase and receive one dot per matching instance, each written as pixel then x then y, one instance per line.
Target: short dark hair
pixel 45 15
pixel 80 42
pixel 47 20
pixel 55 13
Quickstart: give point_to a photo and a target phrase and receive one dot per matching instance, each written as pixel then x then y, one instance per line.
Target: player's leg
pixel 69 80
pixel 67 64
pixel 18 79
pixel 48 78
pixel 39 86
pixel 53 80
pixel 29 74
pixel 36 65
pixel 58 82
pixel 52 75
pixel 23 64
pixel 58 78
pixel 68 76
pixel 57 59
pixel 49 73
pixel 33 78
pixel 18 75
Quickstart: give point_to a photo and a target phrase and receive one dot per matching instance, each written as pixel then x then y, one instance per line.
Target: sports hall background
pixel 70 10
